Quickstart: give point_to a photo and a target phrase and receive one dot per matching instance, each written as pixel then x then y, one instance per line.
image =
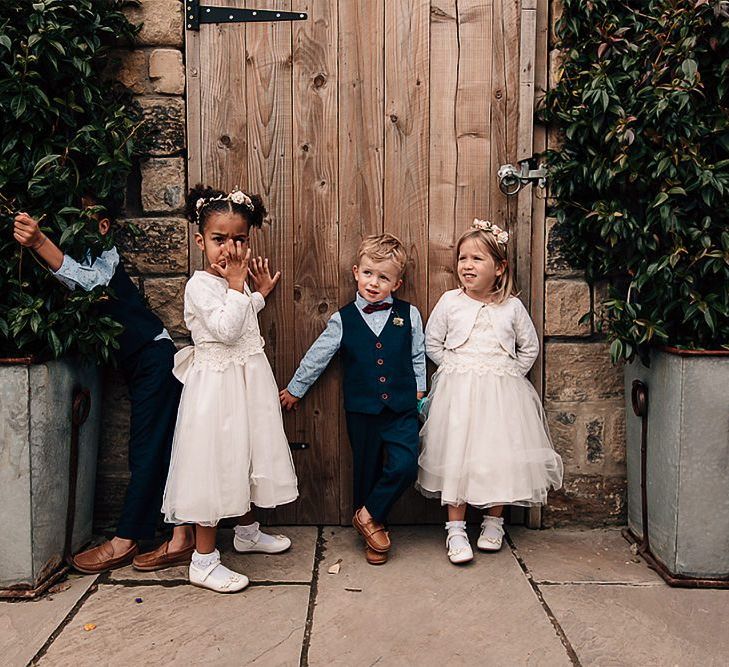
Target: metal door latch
pixel 511 179
pixel 195 14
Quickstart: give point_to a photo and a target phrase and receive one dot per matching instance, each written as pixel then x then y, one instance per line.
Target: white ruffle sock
pixel 207 571
pixel 459 548
pixel 250 539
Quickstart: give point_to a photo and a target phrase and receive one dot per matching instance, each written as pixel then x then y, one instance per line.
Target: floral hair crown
pixel 237 196
pixel 487 226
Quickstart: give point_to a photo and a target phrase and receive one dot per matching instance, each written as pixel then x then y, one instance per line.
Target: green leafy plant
pixel 641 179
pixel 65 131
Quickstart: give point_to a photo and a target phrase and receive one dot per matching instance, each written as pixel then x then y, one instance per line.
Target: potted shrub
pixel 64 131
pixel 640 187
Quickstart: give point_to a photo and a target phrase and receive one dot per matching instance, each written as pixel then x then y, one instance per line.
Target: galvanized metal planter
pixel 42 487
pixel 685 398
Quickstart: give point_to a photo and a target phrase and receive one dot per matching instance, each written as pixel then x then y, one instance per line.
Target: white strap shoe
pixel 492 534
pixel 216 577
pixel 458 552
pixel 261 543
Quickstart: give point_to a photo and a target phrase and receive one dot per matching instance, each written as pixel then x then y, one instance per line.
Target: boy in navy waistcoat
pixel 145 356
pixel 381 344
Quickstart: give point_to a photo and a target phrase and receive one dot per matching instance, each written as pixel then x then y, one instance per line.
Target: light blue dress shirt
pixel 326 346
pixel 89 273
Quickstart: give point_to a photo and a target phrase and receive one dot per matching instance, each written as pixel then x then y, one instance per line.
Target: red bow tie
pixel 374 307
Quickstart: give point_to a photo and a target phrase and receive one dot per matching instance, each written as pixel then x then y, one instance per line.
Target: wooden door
pixel 370 116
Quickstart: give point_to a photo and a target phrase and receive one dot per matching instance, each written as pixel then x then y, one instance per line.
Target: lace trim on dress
pixel 217 356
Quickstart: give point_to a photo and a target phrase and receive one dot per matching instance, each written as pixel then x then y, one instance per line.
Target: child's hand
pixel 288 400
pixel 27 232
pixel 261 276
pixel 421 394
pixel 234 265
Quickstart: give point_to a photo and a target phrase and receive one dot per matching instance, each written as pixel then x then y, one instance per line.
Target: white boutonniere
pixel 398 321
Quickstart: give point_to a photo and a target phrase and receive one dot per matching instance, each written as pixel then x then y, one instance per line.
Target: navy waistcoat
pixel 126 306
pixel 378 370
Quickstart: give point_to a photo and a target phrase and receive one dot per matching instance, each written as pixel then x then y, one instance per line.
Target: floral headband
pixel 237 196
pixel 487 226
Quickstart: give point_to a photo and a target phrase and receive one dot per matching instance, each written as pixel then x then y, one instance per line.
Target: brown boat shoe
pixel 373 532
pixel 101 559
pixel 161 558
pixel 375 557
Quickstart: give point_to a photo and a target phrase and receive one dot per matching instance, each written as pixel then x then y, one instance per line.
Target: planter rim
pixel 692 353
pixel 21 361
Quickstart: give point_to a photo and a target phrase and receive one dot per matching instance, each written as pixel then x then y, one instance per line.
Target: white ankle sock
pixel 201 561
pixel 498 520
pixel 457 541
pixel 248 532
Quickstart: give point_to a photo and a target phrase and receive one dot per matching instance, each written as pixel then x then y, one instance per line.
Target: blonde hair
pixel 381 247
pixel 505 286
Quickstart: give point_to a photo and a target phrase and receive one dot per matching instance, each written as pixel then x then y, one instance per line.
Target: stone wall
pixel 158 258
pixel 583 391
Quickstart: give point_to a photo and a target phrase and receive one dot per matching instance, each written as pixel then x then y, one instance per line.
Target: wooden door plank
pixel 443 227
pixel 194 141
pixel 316 264
pixel 406 137
pixel 361 171
pixel 527 54
pixel 479 127
pixel 268 81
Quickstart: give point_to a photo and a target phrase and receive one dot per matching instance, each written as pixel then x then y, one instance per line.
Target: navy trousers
pixel 155 395
pixel 384 458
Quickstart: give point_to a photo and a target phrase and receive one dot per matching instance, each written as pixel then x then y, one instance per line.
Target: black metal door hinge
pixel 195 14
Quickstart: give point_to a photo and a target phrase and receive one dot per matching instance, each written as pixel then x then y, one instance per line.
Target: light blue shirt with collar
pixel 326 346
pixel 91 273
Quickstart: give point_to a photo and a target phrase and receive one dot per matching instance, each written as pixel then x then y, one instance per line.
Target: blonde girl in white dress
pixel 485 441
pixel 229 449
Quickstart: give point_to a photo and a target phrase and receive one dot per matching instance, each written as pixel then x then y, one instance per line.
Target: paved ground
pixel 548 598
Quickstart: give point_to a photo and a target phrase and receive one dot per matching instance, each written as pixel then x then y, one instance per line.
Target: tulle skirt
pixel 485 442
pixel 230 449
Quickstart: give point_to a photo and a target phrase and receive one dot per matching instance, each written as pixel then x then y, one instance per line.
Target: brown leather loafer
pixel 162 557
pixel 375 557
pixel 374 533
pixel 101 559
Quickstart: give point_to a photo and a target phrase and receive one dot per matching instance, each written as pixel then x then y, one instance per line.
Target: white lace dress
pixel 485 440
pixel 229 449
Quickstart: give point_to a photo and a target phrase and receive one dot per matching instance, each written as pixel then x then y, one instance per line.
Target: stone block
pixel 600 294
pixel 556 11
pixel 164 119
pixel 160 247
pixel 132 70
pixel 162 22
pixel 589 436
pixel 167 71
pixel 587 500
pixel 566 301
pixel 556 60
pixel 556 262
pixel 581 371
pixel 166 298
pixel 114 440
pixel 163 185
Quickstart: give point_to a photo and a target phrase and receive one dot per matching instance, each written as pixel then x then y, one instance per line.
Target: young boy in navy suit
pixel 381 343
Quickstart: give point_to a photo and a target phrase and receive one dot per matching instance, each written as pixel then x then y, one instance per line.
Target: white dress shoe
pixel 492 534
pixel 218 578
pixel 459 550
pixel 261 543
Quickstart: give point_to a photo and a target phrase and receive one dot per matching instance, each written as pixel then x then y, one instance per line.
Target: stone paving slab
pixel 419 609
pixel 600 555
pixel 643 625
pixel 25 626
pixel 184 625
pixel 295 565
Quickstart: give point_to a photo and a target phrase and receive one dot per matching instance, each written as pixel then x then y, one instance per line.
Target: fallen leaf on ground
pixel 334 569
pixel 90 626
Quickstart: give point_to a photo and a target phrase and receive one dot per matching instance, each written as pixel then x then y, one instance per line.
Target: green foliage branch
pixel 65 130
pixel 641 179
